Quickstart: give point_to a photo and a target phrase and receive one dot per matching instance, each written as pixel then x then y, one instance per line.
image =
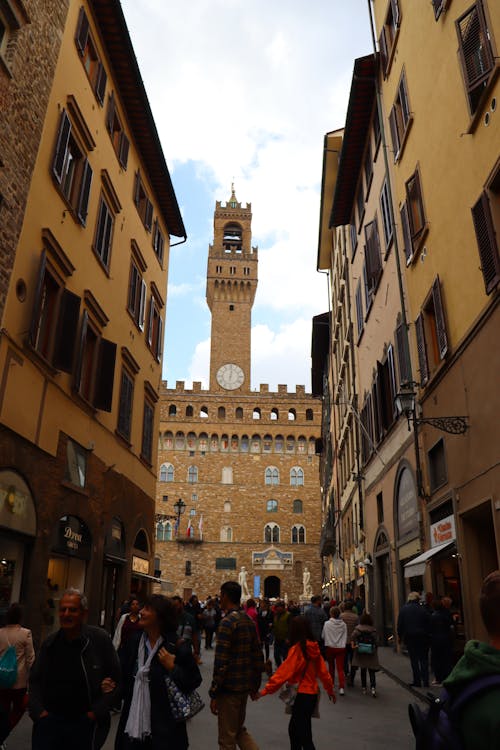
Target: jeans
pixel 299 728
pixel 209 634
pixel 231 708
pixel 280 652
pixel 61 733
pixel 348 658
pixel 418 651
pixel 13 702
pixel 336 656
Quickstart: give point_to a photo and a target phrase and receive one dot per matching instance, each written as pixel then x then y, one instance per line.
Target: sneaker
pixel 374 693
pixel 364 691
pixel 341 691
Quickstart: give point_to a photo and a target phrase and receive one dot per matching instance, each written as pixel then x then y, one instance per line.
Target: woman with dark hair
pixel 303 667
pixel 148 657
pixel 13 699
pixel 364 645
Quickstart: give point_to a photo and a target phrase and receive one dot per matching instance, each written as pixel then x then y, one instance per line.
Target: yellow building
pixel 82 329
pixel 440 98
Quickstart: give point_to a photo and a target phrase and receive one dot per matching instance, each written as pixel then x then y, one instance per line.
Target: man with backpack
pixel 466 715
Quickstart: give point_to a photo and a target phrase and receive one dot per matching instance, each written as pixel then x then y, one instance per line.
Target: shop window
pixel 124 424
pixel 298 534
pixel 155 329
pixel 76 463
pixel 137 291
pixel 296 476
pixel 71 169
pixel 438 475
pixel 400 118
pixel 297 506
pixel 271 533
pixel 476 53
pixel 90 58
pixel 95 366
pixel 147 431
pixel 272 475
pixel 430 330
pixel 142 202
pixel 486 218
pixel 388 35
pixel 158 241
pixel 272 506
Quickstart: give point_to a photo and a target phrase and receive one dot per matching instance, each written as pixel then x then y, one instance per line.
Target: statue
pixel 242 580
pixel 306 582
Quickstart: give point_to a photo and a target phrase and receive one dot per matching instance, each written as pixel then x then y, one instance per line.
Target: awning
pixel 135 574
pixel 416 567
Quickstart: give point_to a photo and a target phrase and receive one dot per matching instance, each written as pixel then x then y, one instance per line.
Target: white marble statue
pixel 306 582
pixel 242 580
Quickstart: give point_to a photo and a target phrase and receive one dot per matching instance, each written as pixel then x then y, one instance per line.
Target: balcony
pixel 327 543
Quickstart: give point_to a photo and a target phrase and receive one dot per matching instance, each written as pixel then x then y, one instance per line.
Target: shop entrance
pixel 481 558
pixel 272 587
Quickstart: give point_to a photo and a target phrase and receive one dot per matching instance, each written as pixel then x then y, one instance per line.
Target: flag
pixel 200 526
pixel 189 530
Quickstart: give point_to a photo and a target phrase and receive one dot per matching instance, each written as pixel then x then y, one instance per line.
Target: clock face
pixel 230 377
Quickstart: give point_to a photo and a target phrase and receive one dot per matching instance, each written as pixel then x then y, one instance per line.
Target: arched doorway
pixel 272 587
pixel 383 588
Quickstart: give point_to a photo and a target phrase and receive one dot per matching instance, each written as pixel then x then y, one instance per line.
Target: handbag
pixel 366 648
pixel 183 705
pixel 287 694
pixel 8 667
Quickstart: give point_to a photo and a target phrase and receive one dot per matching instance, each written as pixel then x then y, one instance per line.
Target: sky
pixel 244 91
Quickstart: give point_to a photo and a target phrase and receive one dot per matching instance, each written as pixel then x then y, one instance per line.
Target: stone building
pixel 242 461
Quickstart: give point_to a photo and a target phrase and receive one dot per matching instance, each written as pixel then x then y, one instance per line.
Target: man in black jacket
pixel 74 682
pixel 414 628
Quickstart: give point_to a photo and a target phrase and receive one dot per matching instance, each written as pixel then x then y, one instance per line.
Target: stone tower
pixel 231 286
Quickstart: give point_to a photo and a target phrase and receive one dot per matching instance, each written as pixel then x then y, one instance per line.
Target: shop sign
pixel 407 505
pixel 73 538
pixel 17 511
pixel 139 565
pixel 443 531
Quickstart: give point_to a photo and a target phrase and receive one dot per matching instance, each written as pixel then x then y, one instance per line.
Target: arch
pixel 168 440
pixel 255 445
pixel 227 506
pixel 272 587
pixel 272 475
pixel 203 442
pixel 226 534
pixel 312 446
pixel 166 472
pixel 224 443
pixel 290 444
pixel 189 411
pixel 232 237
pixel 271 533
pixel 214 442
pixel 221 412
pixel 227 475
pixel 239 412
pixel 192 474
pixel 298 534
pixel 172 410
pixel 141 542
pixel 235 443
pixel 267 444
pixel 203 412
pixel 272 506
pixel 296 476
pixel 256 414
pixel 180 441
pixel 309 415
pixel 278 444
pixel 191 441
pixel 244 444
pixel 298 506
pixel 274 414
pixel 292 415
pixel 301 444
pixel 163 531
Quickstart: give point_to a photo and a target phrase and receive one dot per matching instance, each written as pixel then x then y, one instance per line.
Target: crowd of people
pixel 80 675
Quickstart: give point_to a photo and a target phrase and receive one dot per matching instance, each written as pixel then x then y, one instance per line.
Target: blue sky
pixel 245 91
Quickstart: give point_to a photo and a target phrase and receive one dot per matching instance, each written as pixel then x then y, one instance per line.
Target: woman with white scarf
pixel 146 720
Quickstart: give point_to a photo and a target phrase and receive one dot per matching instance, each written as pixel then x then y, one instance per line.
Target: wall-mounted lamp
pixel 405 401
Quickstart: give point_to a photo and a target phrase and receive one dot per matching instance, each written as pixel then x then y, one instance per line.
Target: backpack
pixel 437 728
pixel 8 667
pixel 367 642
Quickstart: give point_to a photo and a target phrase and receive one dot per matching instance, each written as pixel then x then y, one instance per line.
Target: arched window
pixel 214 443
pixel 221 412
pixel 193 474
pixel 296 476
pixel 227 506
pixel 141 541
pixel 297 506
pixel 232 237
pixel 312 446
pixel 298 534
pixel 166 473
pixel 278 444
pixel 292 415
pixel 244 444
pixel 203 442
pixel 227 475
pixel 168 440
pixel 272 506
pixel 256 413
pixel 271 533
pixel 172 410
pixel 255 446
pixel 301 444
pixel 239 412
pixel 226 534
pixel 272 475
pixel 274 414
pixel 235 443
pixel 189 411
pixel 180 441
pixel 204 412
pixel 164 531
pixel 224 443
pixel 191 441
pixel 267 445
pixel 290 444
pixel 309 415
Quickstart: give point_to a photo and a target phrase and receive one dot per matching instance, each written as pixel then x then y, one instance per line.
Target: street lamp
pixel 405 401
pixel 179 507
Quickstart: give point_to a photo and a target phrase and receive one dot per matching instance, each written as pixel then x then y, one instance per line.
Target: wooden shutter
pixel 37 303
pixel 377 428
pixel 403 354
pixel 133 292
pixel 392 379
pixel 105 374
pixel 142 305
pixel 438 6
pixel 124 149
pixel 359 308
pixel 64 346
pixel 421 349
pixel 100 84
pixel 83 198
pixel 82 31
pixel 442 337
pixel 125 406
pixel 486 242
pixel 382 45
pixel 394 133
pixel 159 342
pixel 475 46
pixel 150 321
pixel 148 215
pixel 137 188
pixel 415 207
pixel 110 114
pixel 405 226
pixel 81 347
pixel 368 296
pixel 373 262
pixel 396 14
pixel 61 146
pixel 147 431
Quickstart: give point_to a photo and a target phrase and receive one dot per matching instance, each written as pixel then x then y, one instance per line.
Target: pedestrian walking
pixel 364 643
pixel 209 614
pixel 281 625
pixel 237 671
pixel 335 638
pixel 127 624
pixel 317 617
pixel 148 658
pixel 442 635
pixel 351 619
pixel 74 682
pixel 13 699
pixel 414 628
pixel 303 667
pixel 265 625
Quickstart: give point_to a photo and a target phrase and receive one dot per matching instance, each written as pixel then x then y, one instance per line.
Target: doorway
pixel 272 587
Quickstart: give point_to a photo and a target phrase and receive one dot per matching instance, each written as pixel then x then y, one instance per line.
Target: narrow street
pixel 358 721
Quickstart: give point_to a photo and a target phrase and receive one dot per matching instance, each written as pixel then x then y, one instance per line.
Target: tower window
pixel 218 269
pixel 231 308
pixel 246 271
pixel 232 270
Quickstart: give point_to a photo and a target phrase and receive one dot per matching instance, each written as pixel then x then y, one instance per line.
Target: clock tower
pixel 231 286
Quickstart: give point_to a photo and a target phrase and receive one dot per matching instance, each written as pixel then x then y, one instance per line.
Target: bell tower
pixel 231 286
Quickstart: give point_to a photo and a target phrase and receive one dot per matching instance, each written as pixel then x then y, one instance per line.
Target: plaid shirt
pixel 238 657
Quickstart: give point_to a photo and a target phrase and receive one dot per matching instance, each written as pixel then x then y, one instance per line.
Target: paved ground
pixel 358 721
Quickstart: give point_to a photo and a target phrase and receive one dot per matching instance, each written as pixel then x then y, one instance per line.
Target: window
pixel 137 290
pixel 430 330
pixel 272 506
pixel 298 534
pixel 90 57
pixel 387 39
pixel 415 209
pixel 180 441
pixel 292 415
pixel 309 415
pixel 76 463
pixel 439 7
pixel 400 118
pixel 359 310
pixel 55 318
pixel 244 445
pixel 486 218
pixel 115 129
pixel 103 232
pixel 278 443
pixel 187 568
pixel 267 444
pixel 239 412
pixel 142 202
pixel 225 563
pixel 272 475
pixel 366 418
pixel 227 475
pixel 71 170
pixel 227 506
pixel 232 238
pixel 158 241
pixel 232 270
pixel 373 262
pixel 354 237
pixel 95 366
pixel 383 395
pixel 271 533
pixel 166 473
pixel 221 412
pixel 192 474
pixel 386 214
pixel 147 432
pixel 226 534
pixel 204 412
pixel 476 53
pixel 155 329
pixel 368 167
pixel 124 424
pixel 438 475
pixel 405 228
pixel 376 128
pixel 172 410
pixel 297 506
pixel 360 203
pixel 256 413
pixel 164 531
pixel 380 508
pixel 189 411
pixel 403 353
pixel 296 476
pixel 274 414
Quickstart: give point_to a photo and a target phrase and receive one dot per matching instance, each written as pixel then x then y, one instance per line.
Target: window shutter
pixel 148 215
pixel 159 343
pixel 61 146
pixel 415 208
pixel 382 45
pixel 64 347
pixel 438 7
pixel 394 133
pixel 421 349
pixel 475 46
pixel 383 396
pixel 405 226
pixel 124 149
pixel 110 114
pixel 377 431
pixel 150 321
pixel 403 100
pixel 81 346
pixel 37 304
pixel 83 199
pixel 103 391
pixel 133 293
pixel 100 85
pixel 82 31
pixel 392 379
pixel 125 406
pixel 395 13
pixel 486 242
pixel 367 291
pixel 359 309
pixel 137 188
pixel 142 305
pixel 403 353
pixel 442 338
